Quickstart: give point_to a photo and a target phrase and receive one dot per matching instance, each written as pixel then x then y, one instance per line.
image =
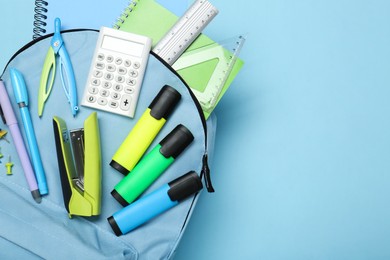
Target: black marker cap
pixel 119 198
pixel 184 186
pixel 119 167
pixel 176 141
pixel 114 226
pixel 164 103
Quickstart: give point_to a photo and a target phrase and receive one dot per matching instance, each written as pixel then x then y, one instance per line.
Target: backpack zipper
pixel 205 172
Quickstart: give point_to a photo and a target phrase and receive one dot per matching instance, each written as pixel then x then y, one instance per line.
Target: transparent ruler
pixel 226 53
pixel 185 31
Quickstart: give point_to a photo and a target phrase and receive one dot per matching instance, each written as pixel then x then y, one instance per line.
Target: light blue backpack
pixel 29 230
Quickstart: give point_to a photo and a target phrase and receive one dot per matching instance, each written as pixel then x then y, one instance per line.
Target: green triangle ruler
pixel 223 57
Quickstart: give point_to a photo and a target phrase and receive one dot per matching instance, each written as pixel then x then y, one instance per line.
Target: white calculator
pixel 117 70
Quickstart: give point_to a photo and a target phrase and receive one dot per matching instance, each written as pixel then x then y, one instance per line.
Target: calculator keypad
pixel 112 82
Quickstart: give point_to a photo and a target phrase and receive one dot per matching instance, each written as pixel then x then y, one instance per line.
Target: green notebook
pixel 147 17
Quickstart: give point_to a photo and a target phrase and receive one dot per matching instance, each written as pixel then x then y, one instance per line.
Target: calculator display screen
pixel 122 45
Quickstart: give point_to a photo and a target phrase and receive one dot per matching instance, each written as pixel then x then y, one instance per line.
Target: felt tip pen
pixel 152 165
pixel 146 129
pixel 21 97
pixel 12 123
pixel 155 203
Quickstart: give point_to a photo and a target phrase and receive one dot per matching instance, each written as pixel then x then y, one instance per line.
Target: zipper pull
pixel 206 173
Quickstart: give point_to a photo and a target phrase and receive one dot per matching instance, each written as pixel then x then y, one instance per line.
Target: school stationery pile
pixel 141 95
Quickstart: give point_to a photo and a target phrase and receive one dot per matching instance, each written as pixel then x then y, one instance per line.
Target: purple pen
pixel 12 123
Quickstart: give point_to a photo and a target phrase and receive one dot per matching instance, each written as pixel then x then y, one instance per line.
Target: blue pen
pixel 21 96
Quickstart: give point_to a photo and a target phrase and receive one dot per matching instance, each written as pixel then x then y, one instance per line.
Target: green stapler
pixel 79 162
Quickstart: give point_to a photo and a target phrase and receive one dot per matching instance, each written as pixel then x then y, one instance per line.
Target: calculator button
pixel 127 63
pixel 102 101
pixel 97 73
pixel 120 79
pixel 104 93
pixel 129 90
pixel 91 99
pixel 125 102
pixel 111 68
pixel 95 82
pixel 109 59
pixel 118 61
pixel 130 81
pixel 115 95
pixel 122 70
pixel 117 87
pixel 109 76
pixel 93 90
pixel 136 65
pixel 100 65
pixel 107 84
pixel 114 104
pixel 100 56
pixel 133 73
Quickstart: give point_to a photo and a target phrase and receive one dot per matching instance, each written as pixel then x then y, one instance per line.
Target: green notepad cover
pixel 147 17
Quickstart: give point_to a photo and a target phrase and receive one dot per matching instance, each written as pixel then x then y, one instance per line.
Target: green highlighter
pixel 152 165
pixel 145 130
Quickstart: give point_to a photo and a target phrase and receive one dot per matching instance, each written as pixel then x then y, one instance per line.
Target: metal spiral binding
pixel 39 18
pixel 126 12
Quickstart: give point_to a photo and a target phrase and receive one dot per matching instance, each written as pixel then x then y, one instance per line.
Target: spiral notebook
pixel 89 14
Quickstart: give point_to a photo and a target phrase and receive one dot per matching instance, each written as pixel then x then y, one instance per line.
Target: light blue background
pixel 302 163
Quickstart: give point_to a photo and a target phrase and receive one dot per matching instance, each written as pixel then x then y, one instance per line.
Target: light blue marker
pixel 155 203
pixel 21 96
